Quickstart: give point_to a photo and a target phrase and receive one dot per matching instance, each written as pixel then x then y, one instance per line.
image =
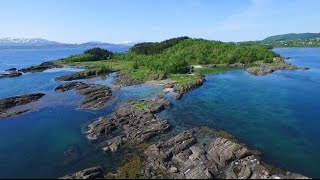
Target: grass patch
pixel 185 79
pixel 109 64
pixel 207 70
pixel 141 105
pixel 142 73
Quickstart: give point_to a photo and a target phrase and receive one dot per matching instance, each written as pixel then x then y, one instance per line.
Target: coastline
pixel 184 90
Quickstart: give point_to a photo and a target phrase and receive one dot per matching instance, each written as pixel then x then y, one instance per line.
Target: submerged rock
pixel 133 122
pixel 90 173
pixel 11 102
pixel 96 96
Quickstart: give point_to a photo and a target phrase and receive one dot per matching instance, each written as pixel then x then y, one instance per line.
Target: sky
pixel 116 21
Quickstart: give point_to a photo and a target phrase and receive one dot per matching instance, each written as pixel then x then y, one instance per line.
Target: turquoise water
pixel 38 144
pixel 277 114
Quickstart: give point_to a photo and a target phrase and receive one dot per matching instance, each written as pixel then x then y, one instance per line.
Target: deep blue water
pixel 277 114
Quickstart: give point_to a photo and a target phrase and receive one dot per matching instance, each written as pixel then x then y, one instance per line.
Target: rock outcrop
pixel 96 96
pixel 191 155
pixel 133 122
pixel 123 80
pixel 10 75
pixel 182 89
pixel 278 64
pixel 87 74
pixel 90 173
pixel 40 68
pixel 8 103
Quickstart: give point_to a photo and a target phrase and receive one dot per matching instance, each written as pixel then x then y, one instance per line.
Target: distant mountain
pixel 43 43
pixel 22 42
pixel 293 37
pixel 292 40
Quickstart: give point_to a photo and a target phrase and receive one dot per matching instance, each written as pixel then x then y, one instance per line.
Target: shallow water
pixel 49 141
pixel 277 114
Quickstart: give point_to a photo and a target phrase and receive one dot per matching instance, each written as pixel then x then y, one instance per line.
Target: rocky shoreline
pixel 7 104
pixel 279 64
pixel 190 154
pixel 133 122
pixel 40 68
pixel 196 153
pixel 11 73
pixel 87 74
pixel 182 89
pixel 122 79
pixel 14 72
pixel 96 96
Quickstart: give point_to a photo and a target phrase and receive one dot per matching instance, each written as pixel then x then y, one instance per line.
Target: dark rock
pixel 129 124
pixel 304 68
pixel 72 85
pixel 168 85
pixel 10 75
pixel 265 69
pixel 84 75
pixel 11 102
pixel 11 69
pixel 91 173
pixel 123 80
pixel 96 96
pixel 40 68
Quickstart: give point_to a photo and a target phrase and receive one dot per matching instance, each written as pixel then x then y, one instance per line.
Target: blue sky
pixel 76 21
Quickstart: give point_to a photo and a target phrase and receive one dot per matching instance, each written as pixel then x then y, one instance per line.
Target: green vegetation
pixel 141 105
pixel 207 70
pixel 150 48
pixel 173 58
pixel 94 54
pixel 184 79
pixel 178 58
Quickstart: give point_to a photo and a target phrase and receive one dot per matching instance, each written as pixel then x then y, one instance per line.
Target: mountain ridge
pixel 292 37
pixel 40 42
